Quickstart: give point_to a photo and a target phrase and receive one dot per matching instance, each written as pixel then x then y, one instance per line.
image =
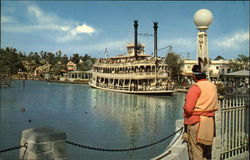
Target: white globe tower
pixel 203 18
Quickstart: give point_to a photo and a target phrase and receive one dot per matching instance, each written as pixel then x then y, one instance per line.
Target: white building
pixel 216 67
pixel 71 66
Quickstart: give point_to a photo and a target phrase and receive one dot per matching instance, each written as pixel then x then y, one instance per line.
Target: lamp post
pixel 203 18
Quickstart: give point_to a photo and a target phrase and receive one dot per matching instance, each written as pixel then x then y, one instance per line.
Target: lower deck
pixel 126 90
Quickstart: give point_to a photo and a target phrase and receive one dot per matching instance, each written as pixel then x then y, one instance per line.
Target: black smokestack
pixel 136 27
pixel 155 38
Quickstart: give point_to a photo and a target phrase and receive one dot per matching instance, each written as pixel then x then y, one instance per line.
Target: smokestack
pixel 136 34
pixel 155 38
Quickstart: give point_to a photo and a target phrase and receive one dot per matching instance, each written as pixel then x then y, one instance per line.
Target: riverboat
pixel 135 72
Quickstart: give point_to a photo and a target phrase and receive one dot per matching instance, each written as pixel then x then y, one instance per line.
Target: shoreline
pixel 183 90
pixel 58 81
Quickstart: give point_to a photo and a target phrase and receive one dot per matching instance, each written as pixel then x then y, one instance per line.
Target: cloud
pixel 115 47
pixel 230 45
pixel 110 45
pixel 69 28
pixel 73 33
pixel 179 45
pixel 61 29
pixel 184 42
pixel 234 41
pixel 41 17
pixel 7 19
pixel 84 29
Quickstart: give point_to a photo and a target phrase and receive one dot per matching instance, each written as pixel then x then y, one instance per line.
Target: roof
pixel 242 73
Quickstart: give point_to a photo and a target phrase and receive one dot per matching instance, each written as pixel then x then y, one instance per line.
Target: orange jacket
pixel 201 99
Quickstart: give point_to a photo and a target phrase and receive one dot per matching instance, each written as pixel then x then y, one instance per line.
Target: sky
pixel 88 27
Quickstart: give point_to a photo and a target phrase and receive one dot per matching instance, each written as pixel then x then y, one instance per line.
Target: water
pixel 89 116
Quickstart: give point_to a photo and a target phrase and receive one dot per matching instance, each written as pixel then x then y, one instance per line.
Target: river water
pixel 89 116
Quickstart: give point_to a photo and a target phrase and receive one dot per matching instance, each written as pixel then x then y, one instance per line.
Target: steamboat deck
pixel 135 73
pixel 161 92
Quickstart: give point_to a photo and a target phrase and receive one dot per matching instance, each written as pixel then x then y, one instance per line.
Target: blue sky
pixel 91 26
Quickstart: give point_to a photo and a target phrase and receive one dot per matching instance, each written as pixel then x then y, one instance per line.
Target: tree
pixel 219 58
pixel 34 58
pixel 64 59
pixel 43 54
pixel 174 63
pixel 87 63
pixel 243 58
pixel 75 59
pixel 10 62
pixel 58 54
pixel 240 63
pixel 50 58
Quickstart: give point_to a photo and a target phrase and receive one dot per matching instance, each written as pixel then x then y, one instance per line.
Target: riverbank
pixel 71 82
pixel 85 81
pixel 57 81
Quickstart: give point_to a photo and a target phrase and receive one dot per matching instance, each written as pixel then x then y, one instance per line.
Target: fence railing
pixel 234 127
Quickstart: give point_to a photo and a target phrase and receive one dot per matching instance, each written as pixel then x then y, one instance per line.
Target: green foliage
pixel 64 60
pixel 75 58
pixel 243 58
pixel 240 63
pixel 11 62
pixel 50 58
pixel 218 58
pixel 174 63
pixel 221 89
pixel 86 64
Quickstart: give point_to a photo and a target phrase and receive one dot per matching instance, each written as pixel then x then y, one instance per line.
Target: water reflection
pixel 138 115
pixel 89 116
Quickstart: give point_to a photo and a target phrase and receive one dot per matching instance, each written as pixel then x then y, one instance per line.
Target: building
pixel 71 66
pixel 77 76
pixel 216 68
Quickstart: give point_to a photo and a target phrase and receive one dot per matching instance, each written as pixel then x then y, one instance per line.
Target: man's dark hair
pixel 197 72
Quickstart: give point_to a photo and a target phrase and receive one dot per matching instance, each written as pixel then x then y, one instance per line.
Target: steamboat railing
pixel 138 75
pixel 234 127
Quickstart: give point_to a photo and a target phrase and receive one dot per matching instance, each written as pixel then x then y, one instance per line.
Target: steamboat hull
pixel 167 92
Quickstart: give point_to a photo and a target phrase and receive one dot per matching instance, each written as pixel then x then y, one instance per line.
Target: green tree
pixel 242 58
pixel 75 59
pixel 240 63
pixel 174 63
pixel 64 59
pixel 219 58
pixel 43 54
pixel 35 58
pixel 10 62
pixel 50 58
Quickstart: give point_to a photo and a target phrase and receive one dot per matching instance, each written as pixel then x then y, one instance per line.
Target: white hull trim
pixel 135 92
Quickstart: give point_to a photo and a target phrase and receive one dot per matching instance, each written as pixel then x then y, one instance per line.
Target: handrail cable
pixel 122 149
pixel 13 148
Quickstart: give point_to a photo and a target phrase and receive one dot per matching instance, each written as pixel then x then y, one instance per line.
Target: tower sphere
pixel 203 18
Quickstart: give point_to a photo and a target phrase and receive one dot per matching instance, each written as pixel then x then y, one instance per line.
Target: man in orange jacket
pixel 199 110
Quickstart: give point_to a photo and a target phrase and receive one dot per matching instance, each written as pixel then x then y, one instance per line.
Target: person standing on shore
pixel 199 110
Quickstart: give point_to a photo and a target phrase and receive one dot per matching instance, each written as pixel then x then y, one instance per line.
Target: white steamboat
pixel 135 73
